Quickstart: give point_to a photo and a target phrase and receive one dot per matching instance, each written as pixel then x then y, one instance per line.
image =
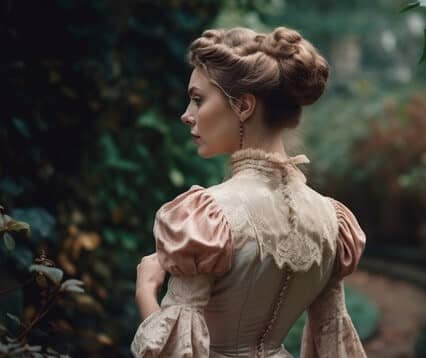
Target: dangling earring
pixel 241 134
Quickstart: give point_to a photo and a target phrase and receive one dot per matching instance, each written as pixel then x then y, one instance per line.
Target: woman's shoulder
pixel 192 234
pixel 343 230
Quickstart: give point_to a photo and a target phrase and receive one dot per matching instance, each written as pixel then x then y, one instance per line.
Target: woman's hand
pixel 150 274
pixel 150 278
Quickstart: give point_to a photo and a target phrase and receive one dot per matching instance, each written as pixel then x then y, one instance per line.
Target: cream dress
pixel 246 258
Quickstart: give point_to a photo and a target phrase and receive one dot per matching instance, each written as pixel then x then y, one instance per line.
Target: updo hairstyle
pixel 281 68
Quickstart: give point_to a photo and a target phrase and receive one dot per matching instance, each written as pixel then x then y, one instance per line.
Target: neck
pixel 267 142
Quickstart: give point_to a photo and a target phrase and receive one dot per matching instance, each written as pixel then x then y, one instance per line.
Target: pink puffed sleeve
pixel 350 242
pixel 194 243
pixel 328 330
pixel 192 235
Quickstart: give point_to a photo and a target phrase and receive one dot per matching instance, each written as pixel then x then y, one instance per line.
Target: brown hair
pixel 281 68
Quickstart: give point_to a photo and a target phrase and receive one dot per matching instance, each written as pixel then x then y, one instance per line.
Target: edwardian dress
pixel 247 257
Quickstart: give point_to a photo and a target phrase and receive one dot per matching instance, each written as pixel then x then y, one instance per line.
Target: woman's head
pixel 267 76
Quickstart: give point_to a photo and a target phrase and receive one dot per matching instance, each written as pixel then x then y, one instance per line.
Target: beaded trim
pixel 260 345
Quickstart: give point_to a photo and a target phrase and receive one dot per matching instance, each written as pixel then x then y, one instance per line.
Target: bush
pixel 91 135
pixel 370 153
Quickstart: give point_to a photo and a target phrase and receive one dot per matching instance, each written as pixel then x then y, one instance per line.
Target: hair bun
pixel 281 43
pixel 304 72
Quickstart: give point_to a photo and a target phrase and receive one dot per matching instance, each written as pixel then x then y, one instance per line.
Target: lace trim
pixel 296 251
pixel 247 223
pixel 260 345
pixel 273 158
pixel 271 164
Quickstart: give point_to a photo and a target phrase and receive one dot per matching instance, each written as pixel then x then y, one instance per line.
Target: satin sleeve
pixel 328 330
pixel 194 244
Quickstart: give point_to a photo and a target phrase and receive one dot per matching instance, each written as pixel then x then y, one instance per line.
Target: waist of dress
pixel 249 352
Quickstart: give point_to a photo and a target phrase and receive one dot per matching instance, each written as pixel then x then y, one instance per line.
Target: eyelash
pixel 197 100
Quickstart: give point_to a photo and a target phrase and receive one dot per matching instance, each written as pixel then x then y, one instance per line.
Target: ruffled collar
pixel 258 161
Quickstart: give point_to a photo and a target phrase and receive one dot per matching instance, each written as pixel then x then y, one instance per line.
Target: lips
pixel 195 138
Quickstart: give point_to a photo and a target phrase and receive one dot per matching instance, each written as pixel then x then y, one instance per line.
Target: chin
pixel 203 153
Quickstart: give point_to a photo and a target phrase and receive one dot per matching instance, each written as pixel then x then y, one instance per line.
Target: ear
pixel 246 106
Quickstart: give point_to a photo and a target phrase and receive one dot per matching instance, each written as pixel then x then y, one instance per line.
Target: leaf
pixel 72 285
pixel 21 127
pixel 17 226
pixel 104 339
pixel 109 147
pixel 152 120
pixel 89 241
pixel 42 223
pixel 14 319
pixel 109 236
pixel 7 219
pixel 26 349
pixel 410 6
pixel 128 241
pixel 3 330
pixel 4 219
pixel 50 350
pixel 52 273
pixel 9 241
pixel 142 151
pixel 87 303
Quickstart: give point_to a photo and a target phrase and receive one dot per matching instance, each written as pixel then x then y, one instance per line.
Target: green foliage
pixel 381 159
pixel 351 35
pixel 48 287
pixel 364 314
pixel 91 134
pixel 30 227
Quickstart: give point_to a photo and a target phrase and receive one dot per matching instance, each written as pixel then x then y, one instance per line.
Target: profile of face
pixel 213 123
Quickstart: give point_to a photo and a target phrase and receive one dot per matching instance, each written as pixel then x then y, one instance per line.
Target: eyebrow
pixel 192 89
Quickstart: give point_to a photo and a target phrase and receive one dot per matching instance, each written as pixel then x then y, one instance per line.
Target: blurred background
pixel 91 145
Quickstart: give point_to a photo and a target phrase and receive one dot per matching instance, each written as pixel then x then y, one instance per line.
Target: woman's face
pixel 213 124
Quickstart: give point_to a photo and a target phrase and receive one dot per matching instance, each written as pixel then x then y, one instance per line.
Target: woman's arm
pixel 146 300
pixel 194 244
pixel 150 278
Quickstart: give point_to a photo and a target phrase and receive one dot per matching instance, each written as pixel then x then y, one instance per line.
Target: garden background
pixel 91 145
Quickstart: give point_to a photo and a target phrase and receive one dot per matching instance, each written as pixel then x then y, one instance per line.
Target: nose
pixel 187 119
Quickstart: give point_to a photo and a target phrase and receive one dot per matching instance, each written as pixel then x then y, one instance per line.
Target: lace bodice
pixel 247 257
pixel 269 181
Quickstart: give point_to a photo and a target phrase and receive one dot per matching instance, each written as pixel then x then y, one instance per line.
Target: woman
pixel 249 255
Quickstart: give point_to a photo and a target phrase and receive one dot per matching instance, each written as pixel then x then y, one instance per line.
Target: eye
pixel 197 100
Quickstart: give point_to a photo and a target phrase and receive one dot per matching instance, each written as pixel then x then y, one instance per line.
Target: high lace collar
pixel 267 163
